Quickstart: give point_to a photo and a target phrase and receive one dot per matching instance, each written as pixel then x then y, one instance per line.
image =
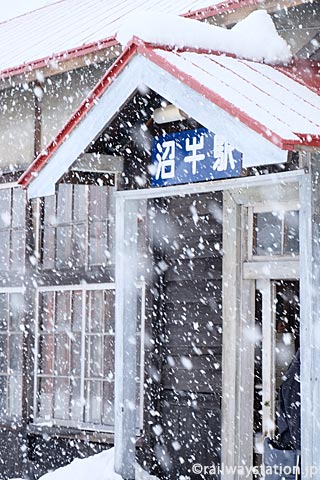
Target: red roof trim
pixel 59 57
pixel 108 42
pixel 217 100
pixel 137 46
pixel 223 7
pixel 75 119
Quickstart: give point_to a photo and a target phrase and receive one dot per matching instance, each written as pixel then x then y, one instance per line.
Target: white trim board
pixel 141 71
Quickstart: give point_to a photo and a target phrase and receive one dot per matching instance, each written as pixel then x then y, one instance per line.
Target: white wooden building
pixel 146 306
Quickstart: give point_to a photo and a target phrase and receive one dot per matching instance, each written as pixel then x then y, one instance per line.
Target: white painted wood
pixel 88 129
pixel 310 318
pixel 125 337
pixel 272 268
pixel 255 148
pixel 232 185
pixel 266 288
pixel 231 320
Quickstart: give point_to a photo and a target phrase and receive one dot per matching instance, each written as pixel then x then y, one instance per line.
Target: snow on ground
pixel 254 38
pixel 96 467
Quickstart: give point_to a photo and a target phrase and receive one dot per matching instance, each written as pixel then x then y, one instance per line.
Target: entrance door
pixel 277 332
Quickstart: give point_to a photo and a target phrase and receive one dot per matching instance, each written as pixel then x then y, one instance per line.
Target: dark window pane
pixel 16 311
pixel 15 395
pixel 76 355
pixel 99 253
pixel 45 397
pixel 61 398
pixel 4 311
pixel 18 208
pixel 80 203
pixel 63 311
pixel 64 246
pixel 79 245
pixel 49 247
pixel 109 302
pixel 108 403
pixel 62 355
pixel 5 208
pixel 15 352
pixel 3 396
pixel 76 311
pixel 267 234
pixel 98 208
pixel 64 203
pixel 17 250
pixel 3 354
pixel 291 232
pixel 4 250
pixel 76 404
pixel 47 311
pixel 50 210
pixel 96 319
pixel 94 393
pixel 46 343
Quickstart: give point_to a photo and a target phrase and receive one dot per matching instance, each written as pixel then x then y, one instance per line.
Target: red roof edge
pixel 306 72
pixel 309 140
pixel 217 99
pixel 108 42
pixel 62 56
pixel 77 116
pixel 219 8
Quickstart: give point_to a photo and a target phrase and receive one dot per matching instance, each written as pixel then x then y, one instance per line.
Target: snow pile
pixel 96 467
pixel 254 38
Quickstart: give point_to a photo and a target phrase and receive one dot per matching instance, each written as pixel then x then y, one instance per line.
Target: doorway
pixel 277 308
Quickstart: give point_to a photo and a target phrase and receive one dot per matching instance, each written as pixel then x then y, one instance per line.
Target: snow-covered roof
pixel 70 28
pixel 272 102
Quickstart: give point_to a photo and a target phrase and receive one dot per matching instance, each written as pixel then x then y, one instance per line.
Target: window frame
pixel 268 208
pixel 8 417
pixel 84 288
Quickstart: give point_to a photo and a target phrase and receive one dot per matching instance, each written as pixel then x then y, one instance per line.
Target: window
pixel 78 227
pixel 12 229
pixel 74 373
pixel 11 353
pixel 276 233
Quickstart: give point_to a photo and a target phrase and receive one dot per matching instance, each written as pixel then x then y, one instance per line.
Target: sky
pixel 12 8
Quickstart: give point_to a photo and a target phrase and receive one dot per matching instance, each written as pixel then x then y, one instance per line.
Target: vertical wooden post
pixel 125 336
pixel 310 318
pixel 231 313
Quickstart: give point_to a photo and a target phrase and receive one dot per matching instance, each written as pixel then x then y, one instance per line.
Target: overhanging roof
pixel 261 109
pixel 69 29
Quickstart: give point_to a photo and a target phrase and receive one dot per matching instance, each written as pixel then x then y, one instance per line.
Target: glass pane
pixel 98 244
pixel 64 244
pixel 267 234
pixel 5 208
pixel 47 311
pixel 76 403
pixel 109 301
pixel 80 203
pixel 18 207
pixel 79 245
pixel 3 353
pixel 61 398
pixel 15 395
pixel 291 232
pixel 108 403
pixel 96 311
pixel 62 355
pixel 94 401
pixel 64 203
pixel 4 250
pixel 17 250
pixel 109 357
pixel 63 314
pixel 16 311
pixel 76 311
pixel 50 210
pixel 15 352
pixel 98 208
pixel 46 354
pixel 45 397
pixel 96 357
pixel 3 396
pixel 3 311
pixel 49 247
pixel 76 355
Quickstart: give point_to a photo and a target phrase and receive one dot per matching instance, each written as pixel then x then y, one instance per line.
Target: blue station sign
pixel 192 156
